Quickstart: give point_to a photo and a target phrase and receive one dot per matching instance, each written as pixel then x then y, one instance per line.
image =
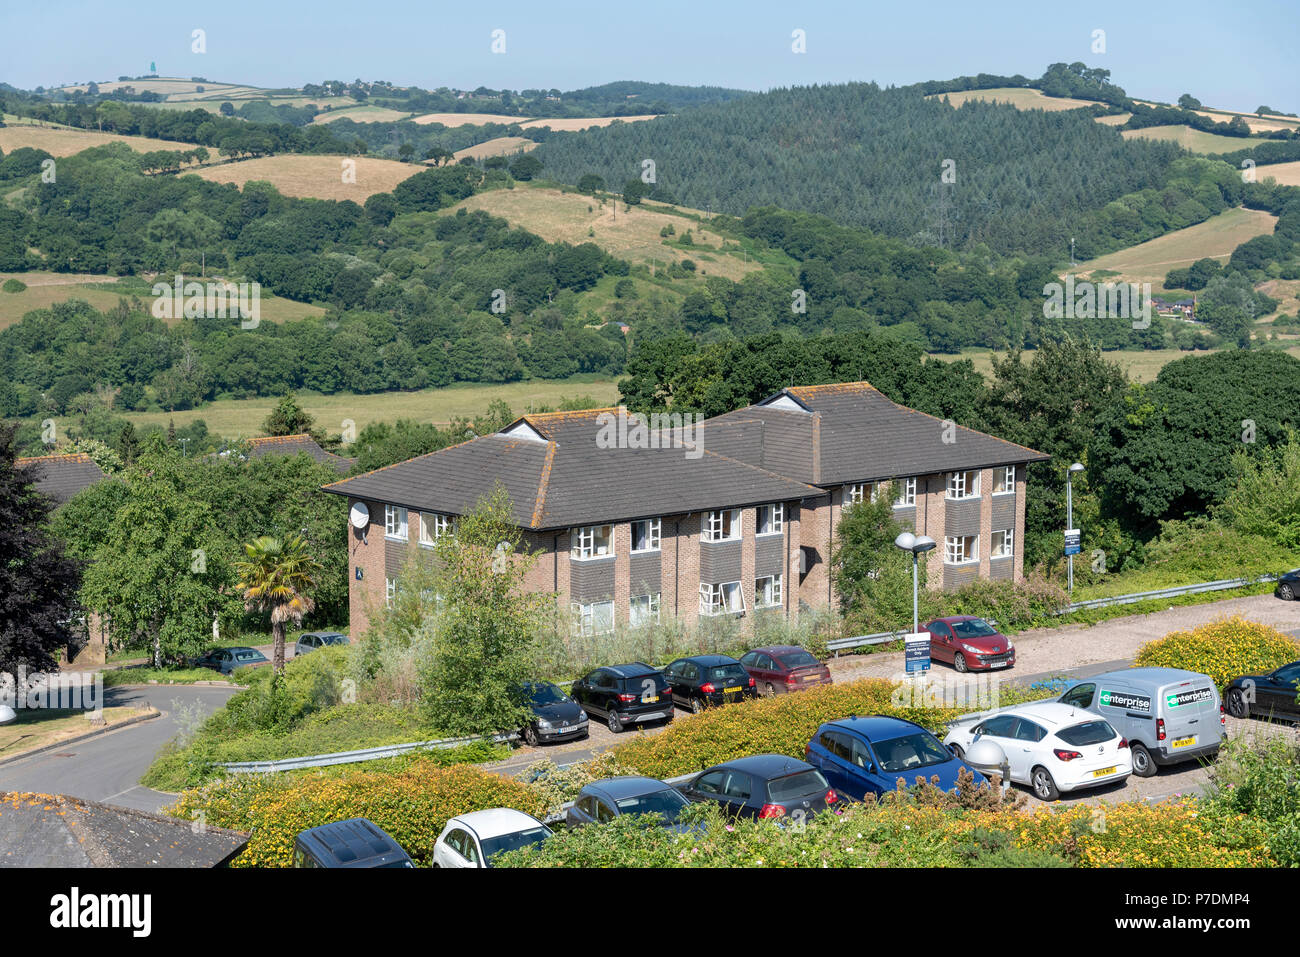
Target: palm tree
pixel 277 577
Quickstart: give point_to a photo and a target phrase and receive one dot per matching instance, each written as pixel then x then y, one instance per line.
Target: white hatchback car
pixel 1049 746
pixel 472 840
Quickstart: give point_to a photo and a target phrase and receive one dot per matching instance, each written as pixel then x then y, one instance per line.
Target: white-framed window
pixel 771 519
pixel 1004 480
pixel 592 541
pixel 723 599
pixel 644 609
pixel 960 549
pixel 767 591
pixel 853 494
pixel 721 525
pixel 906 489
pixel 1003 543
pixel 390 591
pixel 433 526
pixel 395 522
pixel 645 535
pixel 596 618
pixel 964 484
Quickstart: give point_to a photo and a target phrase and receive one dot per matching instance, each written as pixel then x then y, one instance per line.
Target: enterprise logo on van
pixel 1121 699
pixel 1188 697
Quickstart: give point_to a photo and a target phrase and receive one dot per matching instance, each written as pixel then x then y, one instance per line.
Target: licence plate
pixel 998 664
pixel 649 699
pixel 731 690
pixel 1102 772
pixel 1183 742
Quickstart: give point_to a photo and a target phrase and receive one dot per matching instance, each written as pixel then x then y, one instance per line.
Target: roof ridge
pixel 79 457
pixel 543 484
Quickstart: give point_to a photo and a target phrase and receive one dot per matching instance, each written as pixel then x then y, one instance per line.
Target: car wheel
pixel 530 736
pixel 959 663
pixel 957 752
pixel 1236 704
pixel 1044 786
pixel 1144 766
pixel 1286 592
pixel 770 690
pixel 612 721
pixel 696 706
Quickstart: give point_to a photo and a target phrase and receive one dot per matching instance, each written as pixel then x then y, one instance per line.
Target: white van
pixel 1167 715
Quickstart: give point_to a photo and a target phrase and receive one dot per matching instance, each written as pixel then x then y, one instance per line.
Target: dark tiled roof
pixel 61 476
pixel 557 476
pixel 863 437
pixel 42 830
pixel 292 445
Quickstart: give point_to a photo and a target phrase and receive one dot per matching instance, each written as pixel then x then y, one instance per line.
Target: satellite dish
pixel 7 714
pixel 359 516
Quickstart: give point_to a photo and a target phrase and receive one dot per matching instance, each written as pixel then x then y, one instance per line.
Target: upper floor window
pixel 395 522
pixel 721 525
pixel 771 519
pixel 433 526
pixel 964 484
pixel 645 535
pixel 1004 480
pixel 592 541
pixel 904 492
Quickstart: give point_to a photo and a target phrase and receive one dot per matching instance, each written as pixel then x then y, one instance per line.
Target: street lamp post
pixel 916 544
pixel 1069 516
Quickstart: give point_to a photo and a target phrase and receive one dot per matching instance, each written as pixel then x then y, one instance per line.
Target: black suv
pixel 703 680
pixel 625 694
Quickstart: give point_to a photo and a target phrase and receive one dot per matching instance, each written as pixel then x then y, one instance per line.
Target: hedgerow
pixel 1223 649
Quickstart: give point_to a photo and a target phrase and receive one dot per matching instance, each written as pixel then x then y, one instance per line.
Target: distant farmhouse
pixel 735 516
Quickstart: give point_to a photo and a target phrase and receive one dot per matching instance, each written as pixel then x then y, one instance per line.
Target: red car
pixel 781 668
pixel 969 644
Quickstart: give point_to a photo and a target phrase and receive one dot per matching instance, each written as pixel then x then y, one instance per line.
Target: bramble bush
pixel 1223 649
pixel 783 724
pixel 411 803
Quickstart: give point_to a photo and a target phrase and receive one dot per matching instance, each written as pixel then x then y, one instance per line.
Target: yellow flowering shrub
pixel 412 804
pixel 1223 649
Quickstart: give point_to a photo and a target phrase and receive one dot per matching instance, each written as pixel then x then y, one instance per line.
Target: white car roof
pixel 497 821
pixel 1053 714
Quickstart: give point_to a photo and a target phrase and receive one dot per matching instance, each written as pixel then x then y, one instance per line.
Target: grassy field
pixel 362 114
pixel 243 417
pixel 320 177
pixel 1216 238
pixel 36 728
pixel 575 124
pixel 500 146
pixel 1258 124
pixel 468 119
pixel 1114 119
pixel 1198 141
pixel 44 289
pixel 1286 174
pixel 632 235
pixel 64 141
pixel 1019 97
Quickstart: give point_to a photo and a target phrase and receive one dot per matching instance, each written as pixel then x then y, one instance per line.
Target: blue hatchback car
pixel 866 756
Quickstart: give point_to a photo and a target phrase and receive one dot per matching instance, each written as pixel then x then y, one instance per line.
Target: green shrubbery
pixel 14 285
pixel 1259 776
pixel 1223 649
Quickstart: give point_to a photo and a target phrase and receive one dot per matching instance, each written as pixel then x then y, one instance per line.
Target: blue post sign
pixel 1073 541
pixel 917 652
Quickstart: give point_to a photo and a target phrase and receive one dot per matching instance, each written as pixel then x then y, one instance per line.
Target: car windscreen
pixel 667 803
pixel 333 639
pixel 546 694
pixel 1090 732
pixel 728 674
pixel 249 655
pixel 911 751
pixel 796 787
pixel 493 846
pixel 798 659
pixel 974 628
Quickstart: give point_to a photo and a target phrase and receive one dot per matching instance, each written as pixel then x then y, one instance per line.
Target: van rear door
pixel 1129 708
pixel 1190 710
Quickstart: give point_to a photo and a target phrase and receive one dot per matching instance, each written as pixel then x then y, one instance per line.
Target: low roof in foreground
pixel 61 476
pixel 43 830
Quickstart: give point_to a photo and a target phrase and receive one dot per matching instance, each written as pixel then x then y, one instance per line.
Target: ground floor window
pixel 767 591
pixel 596 618
pixel 1002 543
pixel 960 549
pixel 645 609
pixel 721 599
pixel 390 591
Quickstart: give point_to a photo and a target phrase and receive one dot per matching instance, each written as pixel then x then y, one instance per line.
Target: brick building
pixel 734 515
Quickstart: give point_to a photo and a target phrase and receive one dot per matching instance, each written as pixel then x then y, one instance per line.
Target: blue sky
pixel 1230 58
